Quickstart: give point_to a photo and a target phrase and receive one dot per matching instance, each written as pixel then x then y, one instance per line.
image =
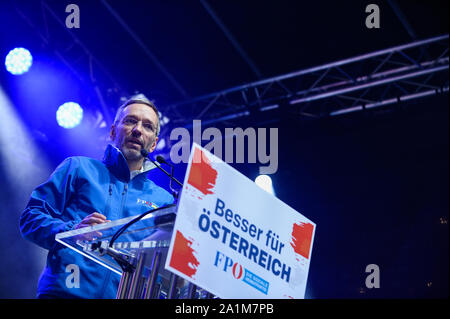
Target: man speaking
pixel 84 192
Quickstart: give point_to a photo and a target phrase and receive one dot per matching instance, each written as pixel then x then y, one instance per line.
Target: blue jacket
pixel 78 187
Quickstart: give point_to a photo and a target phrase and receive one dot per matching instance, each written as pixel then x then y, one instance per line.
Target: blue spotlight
pixel 69 115
pixel 18 61
pixel 265 182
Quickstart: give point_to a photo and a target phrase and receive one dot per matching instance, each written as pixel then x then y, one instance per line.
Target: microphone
pixel 161 159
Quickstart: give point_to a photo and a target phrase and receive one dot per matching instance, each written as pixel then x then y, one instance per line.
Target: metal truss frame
pixel 392 75
pixel 400 73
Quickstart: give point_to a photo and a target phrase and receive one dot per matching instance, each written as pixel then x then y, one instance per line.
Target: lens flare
pixel 69 115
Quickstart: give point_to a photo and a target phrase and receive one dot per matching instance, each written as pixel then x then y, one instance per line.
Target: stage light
pixel 18 61
pixel 22 167
pixel 161 144
pixel 163 120
pixel 69 115
pixel 265 182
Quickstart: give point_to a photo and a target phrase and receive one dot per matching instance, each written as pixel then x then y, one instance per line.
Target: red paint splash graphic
pixel 183 258
pixel 202 176
pixel 301 238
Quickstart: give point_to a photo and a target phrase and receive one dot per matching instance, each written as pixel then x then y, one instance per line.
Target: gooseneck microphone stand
pixel 161 160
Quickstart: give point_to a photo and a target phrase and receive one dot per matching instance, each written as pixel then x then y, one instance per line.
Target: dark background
pixel 375 183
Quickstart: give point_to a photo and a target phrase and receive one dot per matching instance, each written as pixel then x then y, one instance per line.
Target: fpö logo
pixel 240 273
pixel 146 203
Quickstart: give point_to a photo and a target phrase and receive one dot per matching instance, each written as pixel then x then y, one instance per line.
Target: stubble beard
pixel 132 155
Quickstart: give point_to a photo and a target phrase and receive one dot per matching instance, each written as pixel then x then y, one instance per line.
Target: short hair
pixel 139 99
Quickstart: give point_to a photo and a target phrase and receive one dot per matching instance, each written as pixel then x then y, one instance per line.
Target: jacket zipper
pixel 125 189
pixel 124 196
pixel 107 211
pixel 108 202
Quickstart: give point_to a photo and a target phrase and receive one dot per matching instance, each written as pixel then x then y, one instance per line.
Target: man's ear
pixel 153 146
pixel 112 133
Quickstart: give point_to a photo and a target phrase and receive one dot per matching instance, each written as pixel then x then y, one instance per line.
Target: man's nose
pixel 137 129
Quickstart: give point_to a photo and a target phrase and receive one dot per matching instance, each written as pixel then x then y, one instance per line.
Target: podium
pixel 138 255
pixel 230 239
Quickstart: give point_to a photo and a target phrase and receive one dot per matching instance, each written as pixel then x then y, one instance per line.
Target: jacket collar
pixel 117 164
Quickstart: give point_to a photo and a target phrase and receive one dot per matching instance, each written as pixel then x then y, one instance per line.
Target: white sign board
pixel 234 239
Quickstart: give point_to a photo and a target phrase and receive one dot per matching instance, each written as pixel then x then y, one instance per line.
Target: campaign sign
pixel 236 240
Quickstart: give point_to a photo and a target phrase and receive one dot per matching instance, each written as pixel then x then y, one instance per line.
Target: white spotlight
pixel 18 61
pixel 69 115
pixel 265 182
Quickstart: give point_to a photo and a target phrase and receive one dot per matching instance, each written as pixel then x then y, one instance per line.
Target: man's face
pixel 135 130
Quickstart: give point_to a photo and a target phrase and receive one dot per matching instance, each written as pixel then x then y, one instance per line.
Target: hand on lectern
pixel 92 220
